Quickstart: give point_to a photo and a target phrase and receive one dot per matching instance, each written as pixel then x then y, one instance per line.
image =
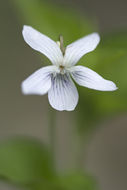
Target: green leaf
pixel 72 181
pixel 25 161
pixel 77 181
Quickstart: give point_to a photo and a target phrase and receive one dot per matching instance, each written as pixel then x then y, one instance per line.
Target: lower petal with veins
pixel 63 94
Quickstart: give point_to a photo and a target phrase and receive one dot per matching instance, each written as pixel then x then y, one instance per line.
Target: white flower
pixel 56 79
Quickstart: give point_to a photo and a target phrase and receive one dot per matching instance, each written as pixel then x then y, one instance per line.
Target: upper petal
pixel 43 44
pixel 39 82
pixel 80 47
pixel 90 79
pixel 63 93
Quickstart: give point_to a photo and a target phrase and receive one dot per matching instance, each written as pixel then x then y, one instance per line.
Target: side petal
pixel 80 47
pixel 63 94
pixel 39 82
pixel 43 44
pixel 90 79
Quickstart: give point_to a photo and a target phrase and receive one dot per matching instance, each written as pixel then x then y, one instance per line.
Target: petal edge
pixel 42 43
pixel 79 48
pixel 90 79
pixel 39 82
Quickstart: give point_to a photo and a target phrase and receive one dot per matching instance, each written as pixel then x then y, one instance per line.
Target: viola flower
pixel 56 80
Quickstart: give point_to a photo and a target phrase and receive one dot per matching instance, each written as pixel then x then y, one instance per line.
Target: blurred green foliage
pixel 53 20
pixel 110 61
pixel 26 163
pixel 24 160
pixel 78 181
pixel 67 182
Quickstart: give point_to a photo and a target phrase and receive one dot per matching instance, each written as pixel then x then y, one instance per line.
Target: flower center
pixel 62 69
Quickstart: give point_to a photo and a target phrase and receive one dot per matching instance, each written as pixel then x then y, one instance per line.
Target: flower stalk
pixel 52 134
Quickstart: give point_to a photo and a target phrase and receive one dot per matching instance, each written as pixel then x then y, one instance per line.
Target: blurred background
pixel 90 144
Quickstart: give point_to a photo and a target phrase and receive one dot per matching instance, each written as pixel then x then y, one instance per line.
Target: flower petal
pixel 39 82
pixel 43 44
pixel 63 94
pixel 80 47
pixel 90 79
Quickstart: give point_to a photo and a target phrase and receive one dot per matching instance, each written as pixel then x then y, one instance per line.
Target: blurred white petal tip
pixel 56 79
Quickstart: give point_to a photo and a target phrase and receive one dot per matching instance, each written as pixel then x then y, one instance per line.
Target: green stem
pixel 81 152
pixel 52 133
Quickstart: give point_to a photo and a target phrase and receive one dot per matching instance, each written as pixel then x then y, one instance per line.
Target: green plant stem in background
pixel 52 133
pixel 80 144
